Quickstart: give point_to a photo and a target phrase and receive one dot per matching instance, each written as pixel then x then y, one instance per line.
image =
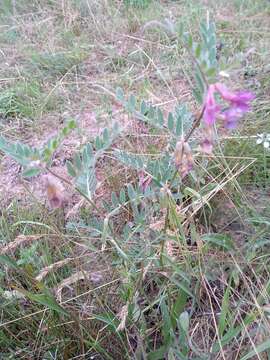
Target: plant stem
pixel 195 124
pixel 59 176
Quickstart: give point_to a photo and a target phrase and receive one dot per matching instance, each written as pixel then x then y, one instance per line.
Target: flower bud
pixel 54 191
pixel 183 158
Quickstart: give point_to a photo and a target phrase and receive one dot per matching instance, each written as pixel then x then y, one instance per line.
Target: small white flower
pixel 263 139
pixel 224 74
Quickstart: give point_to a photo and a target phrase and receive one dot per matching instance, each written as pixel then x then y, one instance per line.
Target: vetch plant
pixel 181 125
pixel 176 158
pixel 156 254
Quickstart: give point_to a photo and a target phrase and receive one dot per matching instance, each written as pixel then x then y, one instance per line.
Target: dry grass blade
pixel 80 275
pixel 198 204
pixel 45 271
pixel 20 240
pixel 72 212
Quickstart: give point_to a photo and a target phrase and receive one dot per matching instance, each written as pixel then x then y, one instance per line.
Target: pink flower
pixel 211 107
pixel 239 104
pixel 231 117
pixel 239 99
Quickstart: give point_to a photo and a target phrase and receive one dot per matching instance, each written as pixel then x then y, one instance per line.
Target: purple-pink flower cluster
pixel 238 105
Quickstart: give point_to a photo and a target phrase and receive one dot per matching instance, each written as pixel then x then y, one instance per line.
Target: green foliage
pixel 204 55
pixel 45 299
pixel 23 100
pixel 263 347
pixel 32 159
pixel 82 168
pixel 219 240
pixel 138 3
pixel 6 260
pixel 176 123
pixel 207 52
pixel 53 144
pixel 134 161
pixel 58 64
pixel 22 153
pixel 7 7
